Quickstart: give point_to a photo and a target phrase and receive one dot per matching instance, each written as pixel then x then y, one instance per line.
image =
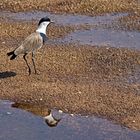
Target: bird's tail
pixel 12 54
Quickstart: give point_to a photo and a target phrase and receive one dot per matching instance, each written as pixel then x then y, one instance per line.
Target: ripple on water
pixel 19 124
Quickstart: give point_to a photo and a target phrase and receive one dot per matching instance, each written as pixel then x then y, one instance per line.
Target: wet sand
pixel 75 78
pixel 86 80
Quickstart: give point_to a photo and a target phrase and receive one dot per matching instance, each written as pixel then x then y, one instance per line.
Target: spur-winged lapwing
pixel 32 43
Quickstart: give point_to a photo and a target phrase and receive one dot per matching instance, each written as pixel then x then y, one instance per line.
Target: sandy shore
pixel 86 80
pixel 74 78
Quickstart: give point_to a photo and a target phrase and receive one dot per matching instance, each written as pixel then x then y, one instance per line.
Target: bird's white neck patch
pixel 42 27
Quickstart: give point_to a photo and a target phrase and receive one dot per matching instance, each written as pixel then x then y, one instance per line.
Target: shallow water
pixel 114 38
pixel 63 19
pixel 18 124
pixel 98 36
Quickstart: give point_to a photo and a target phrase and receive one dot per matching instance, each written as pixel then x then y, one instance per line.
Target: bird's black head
pixel 44 19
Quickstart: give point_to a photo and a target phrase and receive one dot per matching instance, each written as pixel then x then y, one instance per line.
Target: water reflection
pixel 46 113
pixel 18 124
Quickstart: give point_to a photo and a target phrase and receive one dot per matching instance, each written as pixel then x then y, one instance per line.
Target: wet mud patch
pixel 17 122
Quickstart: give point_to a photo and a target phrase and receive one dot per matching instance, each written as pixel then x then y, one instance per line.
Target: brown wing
pixel 31 43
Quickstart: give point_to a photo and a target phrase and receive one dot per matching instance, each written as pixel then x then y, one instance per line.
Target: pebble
pixel 8 113
pixel 72 115
pixel 60 111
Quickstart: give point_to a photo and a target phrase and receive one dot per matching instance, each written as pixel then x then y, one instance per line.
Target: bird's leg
pixel 24 57
pixel 34 62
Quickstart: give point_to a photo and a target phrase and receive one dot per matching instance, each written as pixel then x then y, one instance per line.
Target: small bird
pixel 32 43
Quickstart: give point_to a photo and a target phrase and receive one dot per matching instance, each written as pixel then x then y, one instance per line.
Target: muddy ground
pixel 99 80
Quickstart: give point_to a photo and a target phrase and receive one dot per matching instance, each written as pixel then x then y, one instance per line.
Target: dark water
pixel 17 124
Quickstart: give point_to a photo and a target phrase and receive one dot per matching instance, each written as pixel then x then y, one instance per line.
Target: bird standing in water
pixel 32 43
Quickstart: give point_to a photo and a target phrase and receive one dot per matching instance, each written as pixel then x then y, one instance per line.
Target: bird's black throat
pixel 44 37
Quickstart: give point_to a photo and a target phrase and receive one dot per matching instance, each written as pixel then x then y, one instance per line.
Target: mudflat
pixel 75 78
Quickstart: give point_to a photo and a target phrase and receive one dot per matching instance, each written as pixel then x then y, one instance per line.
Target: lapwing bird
pixel 32 43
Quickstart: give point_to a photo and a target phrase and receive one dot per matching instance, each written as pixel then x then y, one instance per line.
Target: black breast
pixel 44 37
